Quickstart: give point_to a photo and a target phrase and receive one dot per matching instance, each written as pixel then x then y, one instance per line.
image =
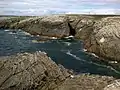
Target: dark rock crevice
pixel 72 31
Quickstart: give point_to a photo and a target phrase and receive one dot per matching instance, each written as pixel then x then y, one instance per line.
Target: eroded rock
pixel 30 72
pixel 86 82
pixel 113 86
pixel 52 26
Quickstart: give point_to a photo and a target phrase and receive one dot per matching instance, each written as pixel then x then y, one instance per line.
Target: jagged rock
pixel 6 22
pixel 101 34
pixel 36 71
pixel 55 25
pixel 105 38
pixel 86 82
pixel 82 25
pixel 30 71
pixel 113 86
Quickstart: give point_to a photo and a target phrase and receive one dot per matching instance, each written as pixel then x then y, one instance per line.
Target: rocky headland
pixel 100 34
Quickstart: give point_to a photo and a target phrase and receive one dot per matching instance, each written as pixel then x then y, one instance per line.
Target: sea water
pixel 68 52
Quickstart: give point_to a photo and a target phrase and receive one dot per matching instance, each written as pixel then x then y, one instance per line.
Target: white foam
pixel 94 55
pixel 26 33
pixel 90 62
pixel 113 62
pixel 67 43
pixel 38 35
pixel 54 37
pixel 44 52
pixel 85 50
pixel 39 51
pixel 69 37
pixel 6 30
pixel 11 33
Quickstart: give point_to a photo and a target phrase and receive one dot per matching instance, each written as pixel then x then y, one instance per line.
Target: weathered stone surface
pixel 105 38
pixel 86 82
pixel 6 22
pixel 114 86
pixel 82 25
pixel 55 25
pixel 30 72
pixel 36 71
pixel 101 34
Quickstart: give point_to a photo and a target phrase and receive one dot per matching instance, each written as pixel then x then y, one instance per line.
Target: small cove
pixel 67 52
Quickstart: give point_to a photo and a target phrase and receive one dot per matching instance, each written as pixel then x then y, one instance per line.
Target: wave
pixel 90 62
pixel 6 30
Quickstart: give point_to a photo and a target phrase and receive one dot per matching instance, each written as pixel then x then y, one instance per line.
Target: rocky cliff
pixel 30 71
pixel 36 71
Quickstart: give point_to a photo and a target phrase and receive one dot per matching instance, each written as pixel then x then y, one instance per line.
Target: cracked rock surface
pixel 29 71
pixel 55 25
pixel 86 82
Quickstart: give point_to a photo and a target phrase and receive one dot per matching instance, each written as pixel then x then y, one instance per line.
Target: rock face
pixel 101 35
pixel 114 86
pixel 6 22
pixel 36 71
pixel 86 82
pixel 107 37
pixel 30 72
pixel 55 25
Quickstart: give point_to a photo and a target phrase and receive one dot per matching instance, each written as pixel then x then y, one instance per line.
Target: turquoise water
pixel 68 52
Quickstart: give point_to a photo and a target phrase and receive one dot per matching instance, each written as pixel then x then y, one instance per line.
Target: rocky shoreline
pixel 100 35
pixel 36 71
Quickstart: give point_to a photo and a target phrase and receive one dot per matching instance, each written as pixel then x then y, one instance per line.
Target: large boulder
pixel 30 71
